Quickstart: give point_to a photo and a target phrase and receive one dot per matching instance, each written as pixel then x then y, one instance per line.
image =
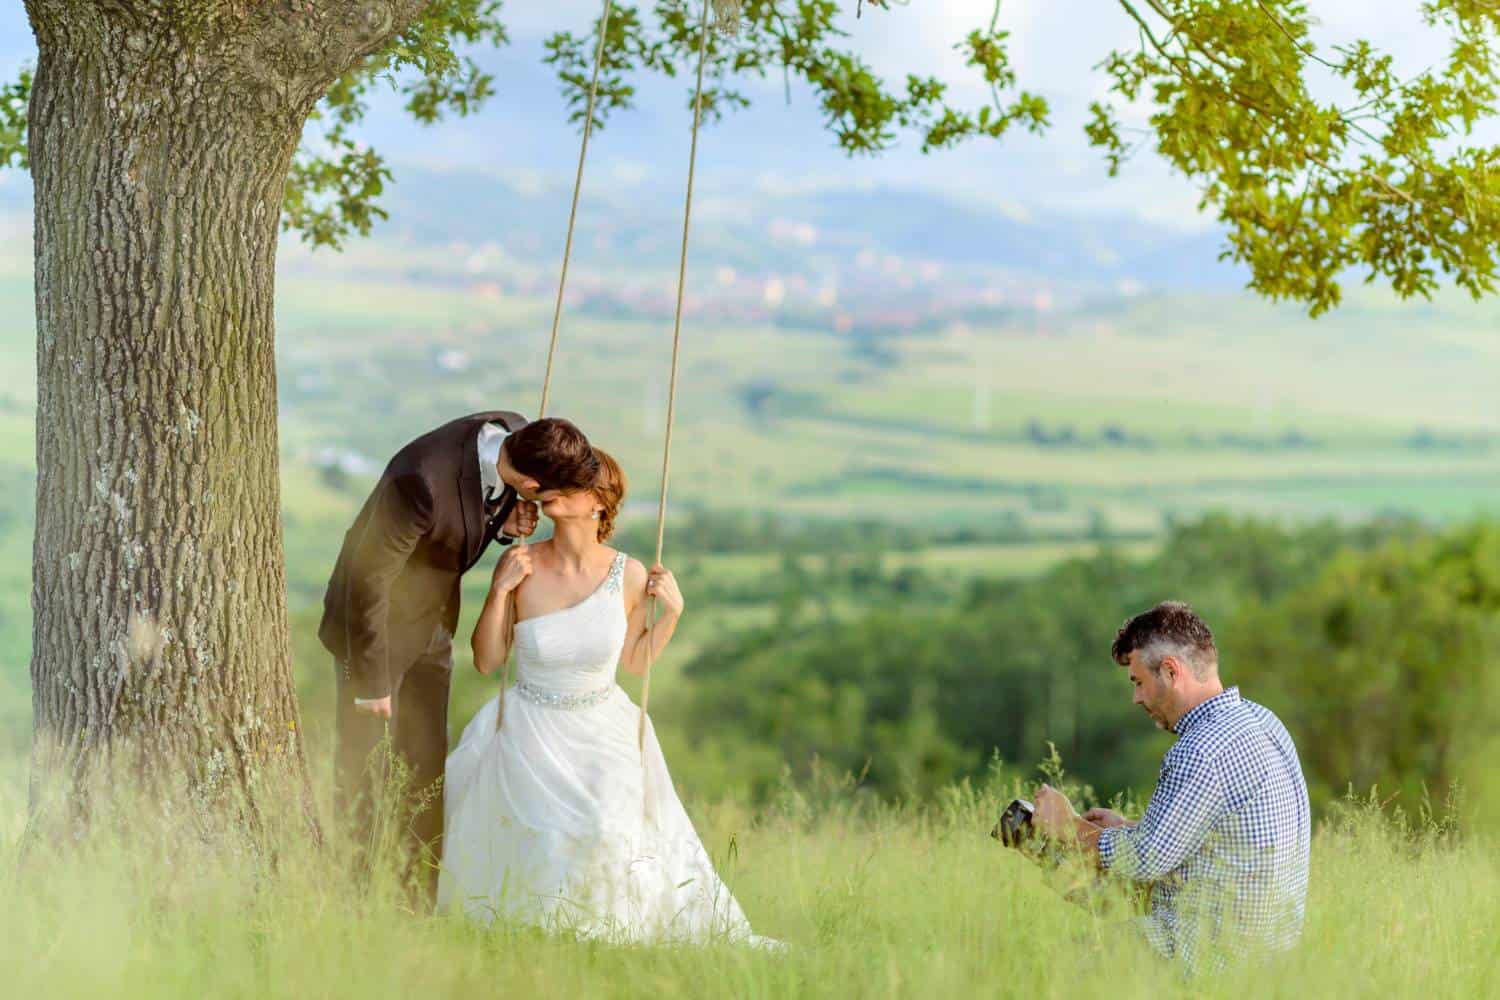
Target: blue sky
pixel 1055 44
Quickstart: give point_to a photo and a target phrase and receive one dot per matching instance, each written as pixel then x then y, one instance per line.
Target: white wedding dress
pixel 556 820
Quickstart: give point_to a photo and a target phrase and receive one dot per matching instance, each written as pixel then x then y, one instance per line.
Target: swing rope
pixel 666 458
pixel 583 150
pixel 666 470
pixel 512 610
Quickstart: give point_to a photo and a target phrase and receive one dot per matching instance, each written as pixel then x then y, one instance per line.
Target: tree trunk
pixel 159 594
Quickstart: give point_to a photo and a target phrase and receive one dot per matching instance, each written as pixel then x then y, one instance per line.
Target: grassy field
pixel 894 901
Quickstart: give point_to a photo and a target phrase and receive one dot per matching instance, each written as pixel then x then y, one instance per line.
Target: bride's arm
pixel 495 628
pixel 661 584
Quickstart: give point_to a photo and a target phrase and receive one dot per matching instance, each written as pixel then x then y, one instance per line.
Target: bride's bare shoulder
pixel 635 574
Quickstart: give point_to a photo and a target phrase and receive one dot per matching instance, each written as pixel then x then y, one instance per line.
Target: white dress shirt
pixel 491 437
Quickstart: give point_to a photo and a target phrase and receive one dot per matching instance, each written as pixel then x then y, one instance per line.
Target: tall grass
pixel 873 899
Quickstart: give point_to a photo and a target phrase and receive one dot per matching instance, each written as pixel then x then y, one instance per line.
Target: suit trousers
pixel 417 732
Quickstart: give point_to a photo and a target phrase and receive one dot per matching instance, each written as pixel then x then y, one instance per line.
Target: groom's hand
pixel 1054 814
pixel 379 707
pixel 1099 816
pixel 522 520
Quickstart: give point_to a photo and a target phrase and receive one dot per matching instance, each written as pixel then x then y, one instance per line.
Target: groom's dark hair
pixel 555 453
pixel 1170 628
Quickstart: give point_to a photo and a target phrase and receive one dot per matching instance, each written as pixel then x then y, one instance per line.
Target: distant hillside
pixel 880 261
pixel 864 351
pixel 821 232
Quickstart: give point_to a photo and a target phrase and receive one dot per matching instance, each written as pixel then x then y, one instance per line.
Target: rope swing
pixel 666 455
pixel 512 612
pixel 583 152
pixel 728 14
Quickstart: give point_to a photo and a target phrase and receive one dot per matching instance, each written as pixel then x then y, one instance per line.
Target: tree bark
pixel 159 594
pixel 161 134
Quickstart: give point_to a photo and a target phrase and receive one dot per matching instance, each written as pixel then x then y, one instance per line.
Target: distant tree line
pixel 1376 644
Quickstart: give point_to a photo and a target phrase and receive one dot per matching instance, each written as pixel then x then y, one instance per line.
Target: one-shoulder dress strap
pixel 615 582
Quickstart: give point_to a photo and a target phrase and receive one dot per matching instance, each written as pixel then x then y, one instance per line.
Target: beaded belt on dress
pixel 562 699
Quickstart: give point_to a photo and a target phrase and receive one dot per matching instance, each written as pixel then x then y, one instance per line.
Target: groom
pixel 393 599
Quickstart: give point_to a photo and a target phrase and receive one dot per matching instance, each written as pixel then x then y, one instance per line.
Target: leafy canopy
pixel 1383 181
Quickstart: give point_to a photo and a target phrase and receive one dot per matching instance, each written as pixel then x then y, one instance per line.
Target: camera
pixel 1015 828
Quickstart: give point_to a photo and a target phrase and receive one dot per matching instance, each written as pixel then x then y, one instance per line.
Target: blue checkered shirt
pixel 1224 841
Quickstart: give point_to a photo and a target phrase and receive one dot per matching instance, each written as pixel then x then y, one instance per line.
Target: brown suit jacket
pixel 394 594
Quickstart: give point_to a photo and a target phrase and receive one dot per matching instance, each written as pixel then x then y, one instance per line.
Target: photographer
pixel 1224 840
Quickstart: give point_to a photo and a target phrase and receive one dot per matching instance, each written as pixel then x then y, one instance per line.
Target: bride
pixel 555 817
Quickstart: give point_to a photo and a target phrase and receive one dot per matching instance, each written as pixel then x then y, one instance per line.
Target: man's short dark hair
pixel 1169 629
pixel 555 453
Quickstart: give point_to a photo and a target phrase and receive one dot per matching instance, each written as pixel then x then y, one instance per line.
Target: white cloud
pixel 628 173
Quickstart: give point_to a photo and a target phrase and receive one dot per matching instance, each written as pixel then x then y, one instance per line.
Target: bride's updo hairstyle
pixel 609 489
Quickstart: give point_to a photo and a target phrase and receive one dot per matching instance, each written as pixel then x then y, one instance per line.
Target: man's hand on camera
pixel 1055 816
pixel 1106 818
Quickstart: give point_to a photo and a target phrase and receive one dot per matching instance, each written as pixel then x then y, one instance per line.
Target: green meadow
pixel 890 901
